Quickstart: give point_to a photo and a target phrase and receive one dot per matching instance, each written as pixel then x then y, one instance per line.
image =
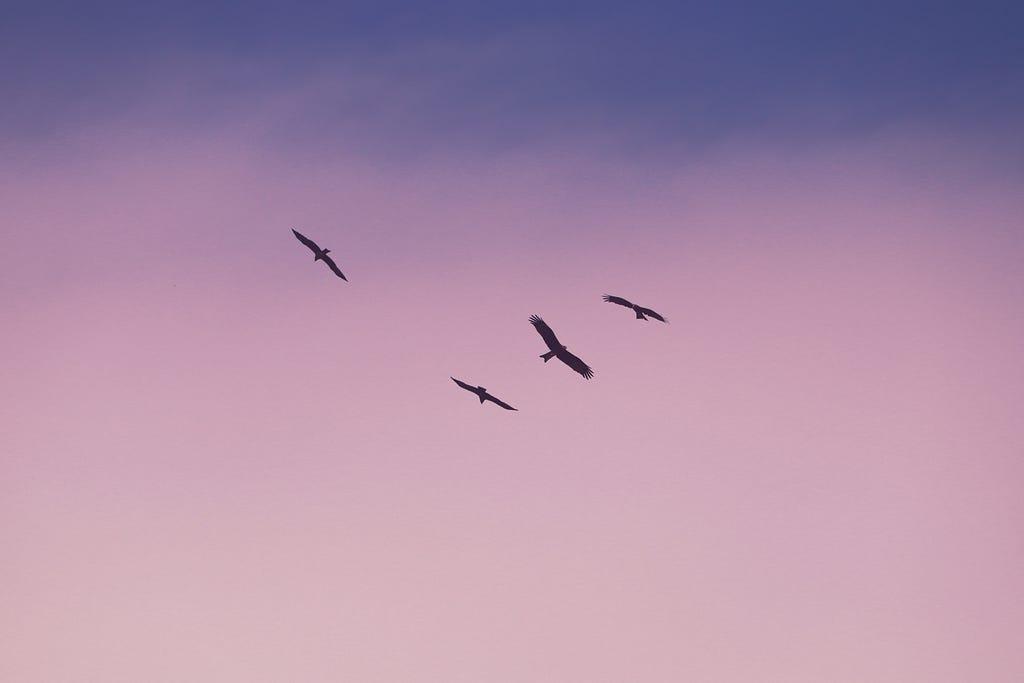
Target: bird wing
pixel 617 300
pixel 575 363
pixel 305 240
pixel 653 314
pixel 546 333
pixel 501 403
pixel 464 385
pixel 333 266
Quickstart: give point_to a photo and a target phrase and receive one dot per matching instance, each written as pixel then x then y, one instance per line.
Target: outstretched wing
pixel 333 266
pixel 653 314
pixel 464 385
pixel 504 405
pixel 545 332
pixel 575 363
pixel 305 240
pixel 617 300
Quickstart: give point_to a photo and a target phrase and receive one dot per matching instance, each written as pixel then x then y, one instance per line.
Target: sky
pixel 218 462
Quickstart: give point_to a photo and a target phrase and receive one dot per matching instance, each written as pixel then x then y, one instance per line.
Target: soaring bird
pixel 641 312
pixel 559 350
pixel 484 396
pixel 320 254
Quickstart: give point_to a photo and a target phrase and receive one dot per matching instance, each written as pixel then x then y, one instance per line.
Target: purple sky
pixel 220 463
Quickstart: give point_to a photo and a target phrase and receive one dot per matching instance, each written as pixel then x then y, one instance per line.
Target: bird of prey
pixel 641 312
pixel 320 254
pixel 559 350
pixel 484 396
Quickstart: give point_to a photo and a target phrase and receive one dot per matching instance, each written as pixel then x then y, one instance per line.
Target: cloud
pixel 650 80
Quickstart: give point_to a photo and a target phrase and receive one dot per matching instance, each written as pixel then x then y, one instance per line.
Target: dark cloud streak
pixel 406 76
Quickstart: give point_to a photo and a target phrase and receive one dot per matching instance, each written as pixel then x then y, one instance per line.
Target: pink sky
pixel 222 464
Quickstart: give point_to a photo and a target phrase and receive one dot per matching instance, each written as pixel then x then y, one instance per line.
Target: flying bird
pixel 320 254
pixel 559 350
pixel 484 396
pixel 641 312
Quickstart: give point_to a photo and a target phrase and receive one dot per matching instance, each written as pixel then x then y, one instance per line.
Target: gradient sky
pixel 220 463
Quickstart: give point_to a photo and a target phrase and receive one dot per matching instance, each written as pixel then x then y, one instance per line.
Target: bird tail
pixel 548 356
pixel 482 399
pixel 640 316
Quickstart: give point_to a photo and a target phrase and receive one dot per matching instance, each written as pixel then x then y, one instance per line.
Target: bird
pixel 641 312
pixel 559 350
pixel 482 393
pixel 320 254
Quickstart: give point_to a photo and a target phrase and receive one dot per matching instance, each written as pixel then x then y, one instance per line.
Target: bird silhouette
pixel 641 312
pixel 559 350
pixel 482 393
pixel 320 254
